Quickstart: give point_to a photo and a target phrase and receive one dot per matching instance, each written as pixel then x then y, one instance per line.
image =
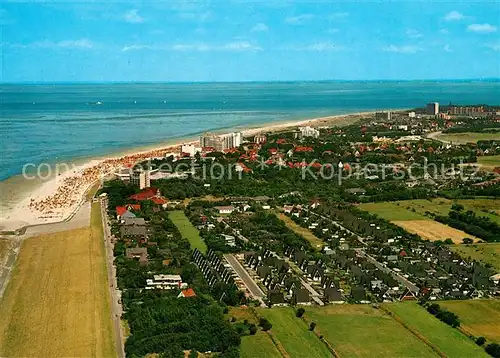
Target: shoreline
pixel 55 200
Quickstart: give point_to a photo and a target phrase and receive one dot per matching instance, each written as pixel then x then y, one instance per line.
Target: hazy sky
pixel 237 40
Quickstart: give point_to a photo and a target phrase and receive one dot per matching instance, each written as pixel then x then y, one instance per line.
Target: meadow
pixel 491 161
pixel 293 334
pixel 258 346
pixel 468 137
pixel 363 331
pixel 187 230
pixel 315 242
pixel 57 301
pixel 487 253
pixel 433 230
pixel 477 317
pixel 449 341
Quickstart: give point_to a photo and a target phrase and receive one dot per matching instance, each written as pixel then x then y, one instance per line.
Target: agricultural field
pixel 258 346
pixel 433 230
pixel 293 334
pixel 487 253
pixel 477 317
pixel 315 242
pixel 471 137
pixel 417 208
pixel 187 230
pixel 450 341
pixel 350 329
pixel 57 301
pixel 489 161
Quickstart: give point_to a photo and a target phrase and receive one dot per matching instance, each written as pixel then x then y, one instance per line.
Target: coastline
pixel 56 199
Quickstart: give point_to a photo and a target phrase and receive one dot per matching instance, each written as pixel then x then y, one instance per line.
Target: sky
pixel 248 40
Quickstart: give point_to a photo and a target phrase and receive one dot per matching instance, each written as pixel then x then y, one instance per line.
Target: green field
pixel 487 253
pixel 258 346
pixel 315 242
pixel 489 161
pixel 187 230
pixel 362 331
pixel 477 317
pixel 416 209
pixel 293 334
pixel 448 340
pixel 469 137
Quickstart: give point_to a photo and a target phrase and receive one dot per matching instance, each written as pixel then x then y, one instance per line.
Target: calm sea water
pixel 63 122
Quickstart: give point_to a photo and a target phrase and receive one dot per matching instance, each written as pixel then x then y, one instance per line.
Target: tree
pixel 312 326
pixel 457 207
pixel 448 241
pixel 253 329
pixel 493 349
pixel 265 324
pixel 193 353
pixel 467 241
pixel 300 312
pixel 434 309
pixel 480 341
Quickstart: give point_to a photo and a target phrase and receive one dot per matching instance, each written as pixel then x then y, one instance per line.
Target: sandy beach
pixel 57 198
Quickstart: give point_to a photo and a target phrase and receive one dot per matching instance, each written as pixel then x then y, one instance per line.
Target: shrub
pixel 300 312
pixel 312 326
pixel 480 341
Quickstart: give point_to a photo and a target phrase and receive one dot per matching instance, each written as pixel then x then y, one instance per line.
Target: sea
pixel 65 122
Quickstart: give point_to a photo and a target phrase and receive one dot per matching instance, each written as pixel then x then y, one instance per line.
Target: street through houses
pixel 404 281
pixel 114 292
pixel 250 284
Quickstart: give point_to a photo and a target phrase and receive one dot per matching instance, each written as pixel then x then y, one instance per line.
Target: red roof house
pixel 145 194
pixel 120 210
pixel 187 293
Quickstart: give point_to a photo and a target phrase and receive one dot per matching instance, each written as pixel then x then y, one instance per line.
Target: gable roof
pixel 120 210
pixel 145 194
pixel 188 293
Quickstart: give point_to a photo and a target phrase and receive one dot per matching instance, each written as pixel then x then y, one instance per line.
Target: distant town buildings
pixel 383 116
pixel 469 111
pixel 432 108
pixel 411 115
pixel 309 132
pixel 189 149
pixel 221 142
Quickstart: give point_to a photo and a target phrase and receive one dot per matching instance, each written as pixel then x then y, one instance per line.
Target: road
pixel 250 284
pixel 114 293
pixel 402 280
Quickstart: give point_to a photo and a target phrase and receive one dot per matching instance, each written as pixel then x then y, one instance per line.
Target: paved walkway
pixel 250 284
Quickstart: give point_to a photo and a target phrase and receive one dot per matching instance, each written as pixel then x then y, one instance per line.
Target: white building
pixel 165 282
pixel 411 114
pixel 188 149
pixel 309 132
pixel 224 209
pixel 141 178
pixel 230 240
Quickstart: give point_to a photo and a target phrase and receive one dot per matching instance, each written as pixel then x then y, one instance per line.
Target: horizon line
pixel 251 81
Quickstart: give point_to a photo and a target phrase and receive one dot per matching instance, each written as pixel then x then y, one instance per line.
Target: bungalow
pixel 275 298
pixel 146 194
pixel 121 210
pixel 333 295
pixel 301 297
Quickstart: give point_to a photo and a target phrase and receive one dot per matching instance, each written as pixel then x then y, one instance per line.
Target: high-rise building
pixel 432 108
pixel 383 116
pixel 141 178
pixel 188 149
pixel 221 142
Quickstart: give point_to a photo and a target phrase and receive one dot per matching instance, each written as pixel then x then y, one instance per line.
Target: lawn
pixel 469 137
pixel 487 253
pixel 448 340
pixel 477 317
pixel 433 230
pixel 258 346
pixel 187 230
pixel 391 211
pixel 57 301
pixel 293 334
pixel 491 161
pixel 363 331
pixel 315 242
pixel 417 208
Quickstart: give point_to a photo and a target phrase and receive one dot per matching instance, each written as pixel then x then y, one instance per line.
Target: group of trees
pixel 480 226
pixel 447 317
